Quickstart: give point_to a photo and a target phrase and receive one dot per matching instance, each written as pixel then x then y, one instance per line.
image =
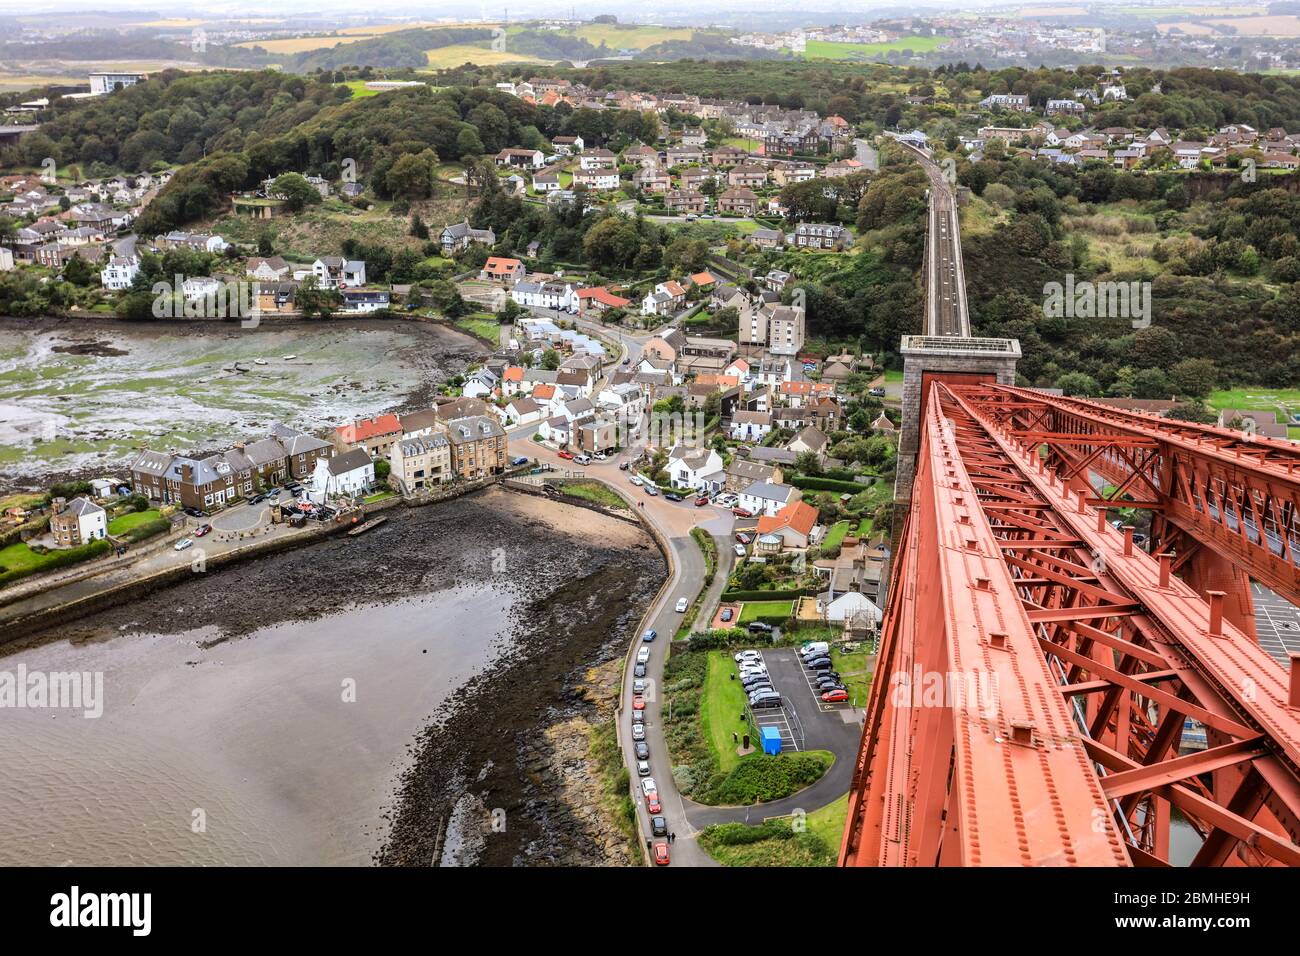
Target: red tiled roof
pixel 514 373
pixel 702 279
pixel 603 296
pixel 366 428
pixel 543 390
pixel 799 516
pixel 501 264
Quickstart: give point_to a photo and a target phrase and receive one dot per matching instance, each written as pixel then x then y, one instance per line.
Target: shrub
pixel 147 530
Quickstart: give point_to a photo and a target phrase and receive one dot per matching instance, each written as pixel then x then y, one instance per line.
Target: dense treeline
pixel 174 117
pixel 394 140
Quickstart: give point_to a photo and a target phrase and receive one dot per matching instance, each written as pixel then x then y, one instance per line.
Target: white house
pixel 348 475
pixel 545 295
pixel 750 426
pixel 763 498
pixel 119 273
pixel 848 605
pixel 699 469
pixel 626 401
pixel 481 384
pixel 557 430
pixel 597 159
pixel 92 520
pixel 522 411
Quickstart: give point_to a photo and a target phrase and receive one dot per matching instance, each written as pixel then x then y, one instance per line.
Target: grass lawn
pixel 853 670
pixel 721 708
pixel 825 50
pixel 359 91
pixel 594 492
pixel 132 519
pixel 19 557
pixel 776 842
pixel 1284 401
pixel 379 496
pixel 835 536
pixel 754 610
pixel 482 325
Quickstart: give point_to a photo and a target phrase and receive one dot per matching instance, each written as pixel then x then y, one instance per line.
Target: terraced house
pixel 478 446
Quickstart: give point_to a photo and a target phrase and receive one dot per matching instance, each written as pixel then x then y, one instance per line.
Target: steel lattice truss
pixel 1010 579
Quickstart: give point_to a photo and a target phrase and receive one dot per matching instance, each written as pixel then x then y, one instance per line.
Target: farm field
pixel 303 44
pixel 1284 401
pixel 630 37
pixel 822 50
pixel 456 54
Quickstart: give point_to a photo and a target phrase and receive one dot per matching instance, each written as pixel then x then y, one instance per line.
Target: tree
pixel 807 463
pixel 1077 383
pixel 550 360
pixel 296 192
pixel 411 176
pixel 1193 377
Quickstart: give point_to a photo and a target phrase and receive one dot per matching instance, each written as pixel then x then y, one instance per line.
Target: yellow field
pixel 1278 26
pixel 632 38
pixel 446 57
pixel 422 25
pixel 303 44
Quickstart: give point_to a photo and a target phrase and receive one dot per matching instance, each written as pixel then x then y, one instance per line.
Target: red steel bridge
pixel 1038 671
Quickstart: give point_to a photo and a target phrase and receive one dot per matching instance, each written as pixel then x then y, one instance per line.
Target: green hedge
pixel 762 778
pixel 787 595
pixel 828 484
pixel 147 530
pixel 61 559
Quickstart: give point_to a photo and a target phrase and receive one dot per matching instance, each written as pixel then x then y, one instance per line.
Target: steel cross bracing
pixel 1235 494
pixel 1098 655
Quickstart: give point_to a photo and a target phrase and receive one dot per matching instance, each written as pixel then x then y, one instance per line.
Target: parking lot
pixel 1277 622
pixel 804 720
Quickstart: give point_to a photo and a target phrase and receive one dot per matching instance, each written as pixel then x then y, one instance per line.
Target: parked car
pixel 648 786
pixel 758 690
pixel 643 768
pixel 652 803
pixel 819 664
pixel 765 700
pixel 649 635
pixel 256 499
pixel 742 513
pixel 747 656
pixel 701 501
pixel 599 455
pixel 740 550
pixel 726 614
pixel 638 670
pixel 682 605
pixel 638 686
pixel 566 455
pixel 638 702
pixel 521 460
pixel 643 655
pixel 743 538
pixel 756 627
pixel 672 496
pixel 836 696
pixel 642 750
pixel 182 544
pixel 582 459
pixel 638 717
pixel 194 512
pixel 624 465
pixel 201 530
pixel 638 731
pixel 876 392
pixel 658 826
pixel 635 479
pixel 820 648
pixel 651 489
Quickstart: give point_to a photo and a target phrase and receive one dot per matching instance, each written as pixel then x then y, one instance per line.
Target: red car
pixel 638 702
pixel 201 530
pixel 567 454
pixel 652 803
pixel 742 513
pixel 835 696
pixel 701 500
pixel 661 854
pixel 742 537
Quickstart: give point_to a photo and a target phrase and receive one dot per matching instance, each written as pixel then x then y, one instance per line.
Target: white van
pixel 643 655
pixel 814 649
pixel 583 459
